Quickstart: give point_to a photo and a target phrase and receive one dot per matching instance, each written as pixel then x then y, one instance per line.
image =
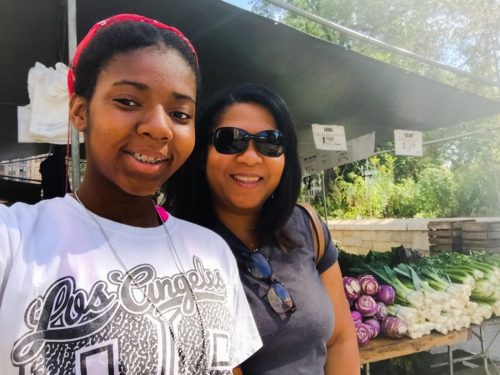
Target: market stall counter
pixel 386 348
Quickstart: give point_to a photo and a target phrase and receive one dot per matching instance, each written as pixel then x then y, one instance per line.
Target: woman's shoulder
pixel 301 225
pixel 302 217
pixel 299 217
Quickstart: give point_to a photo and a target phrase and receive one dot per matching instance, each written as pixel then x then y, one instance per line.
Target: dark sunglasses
pixel 259 267
pixel 229 140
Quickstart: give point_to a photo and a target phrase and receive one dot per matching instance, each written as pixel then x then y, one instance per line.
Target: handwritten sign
pixel 329 137
pixel 408 142
pixel 357 149
pixel 310 165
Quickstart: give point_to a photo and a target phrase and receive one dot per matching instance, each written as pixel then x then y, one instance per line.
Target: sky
pixel 245 4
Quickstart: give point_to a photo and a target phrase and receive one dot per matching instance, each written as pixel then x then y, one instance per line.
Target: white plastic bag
pixel 48 108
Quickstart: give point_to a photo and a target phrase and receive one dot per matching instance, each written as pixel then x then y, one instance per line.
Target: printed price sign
pixel 329 137
pixel 408 142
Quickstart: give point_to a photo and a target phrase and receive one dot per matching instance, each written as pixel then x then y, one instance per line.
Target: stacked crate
pixel 483 235
pixel 445 235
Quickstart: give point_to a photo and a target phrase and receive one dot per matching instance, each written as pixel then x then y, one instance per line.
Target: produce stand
pixel 384 348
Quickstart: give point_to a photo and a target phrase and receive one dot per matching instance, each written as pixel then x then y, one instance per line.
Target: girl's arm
pixel 343 354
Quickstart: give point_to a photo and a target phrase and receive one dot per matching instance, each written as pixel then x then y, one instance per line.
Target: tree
pixel 462 34
pixel 459 177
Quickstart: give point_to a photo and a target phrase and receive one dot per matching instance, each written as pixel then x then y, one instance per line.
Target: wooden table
pixel 384 348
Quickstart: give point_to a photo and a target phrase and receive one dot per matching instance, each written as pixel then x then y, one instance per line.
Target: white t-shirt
pixel 67 305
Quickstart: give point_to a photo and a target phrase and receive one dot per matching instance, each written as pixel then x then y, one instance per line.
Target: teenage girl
pixel 99 281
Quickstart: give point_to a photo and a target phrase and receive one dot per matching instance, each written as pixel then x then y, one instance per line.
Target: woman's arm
pixel 237 371
pixel 343 354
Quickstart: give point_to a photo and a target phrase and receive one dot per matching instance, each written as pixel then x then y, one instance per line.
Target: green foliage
pixel 434 191
pixel 402 202
pixel 455 32
pixel 458 178
pixel 478 192
pixel 349 200
pixel 353 196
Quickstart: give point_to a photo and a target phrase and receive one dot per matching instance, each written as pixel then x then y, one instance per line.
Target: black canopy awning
pixel 321 82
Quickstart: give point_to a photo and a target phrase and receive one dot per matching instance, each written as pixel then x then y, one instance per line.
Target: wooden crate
pixel 481 235
pixel 446 235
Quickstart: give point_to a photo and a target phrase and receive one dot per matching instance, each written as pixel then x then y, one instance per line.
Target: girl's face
pixel 241 183
pixel 139 124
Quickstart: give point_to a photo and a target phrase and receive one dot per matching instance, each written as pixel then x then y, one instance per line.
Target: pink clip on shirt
pixel 162 213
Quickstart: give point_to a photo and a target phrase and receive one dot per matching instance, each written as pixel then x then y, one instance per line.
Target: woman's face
pixel 139 124
pixel 241 183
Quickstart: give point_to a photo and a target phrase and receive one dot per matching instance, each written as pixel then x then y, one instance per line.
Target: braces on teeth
pixel 147 159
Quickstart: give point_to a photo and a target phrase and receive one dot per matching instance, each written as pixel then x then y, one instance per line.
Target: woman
pixel 242 181
pixel 97 282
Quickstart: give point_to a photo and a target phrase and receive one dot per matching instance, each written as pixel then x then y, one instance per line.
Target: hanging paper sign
pixel 314 163
pixel 323 162
pixel 343 157
pixel 357 149
pixel 329 137
pixel 310 165
pixel 408 142
pixel 361 148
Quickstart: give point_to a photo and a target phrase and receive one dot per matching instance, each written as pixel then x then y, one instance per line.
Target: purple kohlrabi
pixel 363 333
pixel 381 311
pixel 356 317
pixel 369 284
pixel 366 305
pixel 386 294
pixel 393 327
pixel 352 288
pixel 374 325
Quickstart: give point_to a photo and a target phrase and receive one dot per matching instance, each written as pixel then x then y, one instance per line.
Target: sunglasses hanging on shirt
pixel 259 267
pixel 229 140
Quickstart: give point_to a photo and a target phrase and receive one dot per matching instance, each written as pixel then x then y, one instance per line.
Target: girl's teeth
pixel 147 159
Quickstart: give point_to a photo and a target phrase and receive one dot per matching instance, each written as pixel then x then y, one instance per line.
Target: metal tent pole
pixel 75 137
pixel 450 138
pixel 323 189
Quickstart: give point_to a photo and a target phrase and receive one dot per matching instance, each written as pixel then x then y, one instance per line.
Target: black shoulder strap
pixel 317 231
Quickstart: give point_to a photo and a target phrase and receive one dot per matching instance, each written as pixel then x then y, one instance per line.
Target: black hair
pixel 187 192
pixel 123 37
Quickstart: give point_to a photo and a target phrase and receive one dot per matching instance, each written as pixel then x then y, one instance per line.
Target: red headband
pixel 107 22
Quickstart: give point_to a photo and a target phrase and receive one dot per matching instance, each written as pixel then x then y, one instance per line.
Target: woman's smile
pixel 246 180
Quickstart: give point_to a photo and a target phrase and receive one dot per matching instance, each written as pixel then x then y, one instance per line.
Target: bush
pixel 430 191
pixel 436 193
